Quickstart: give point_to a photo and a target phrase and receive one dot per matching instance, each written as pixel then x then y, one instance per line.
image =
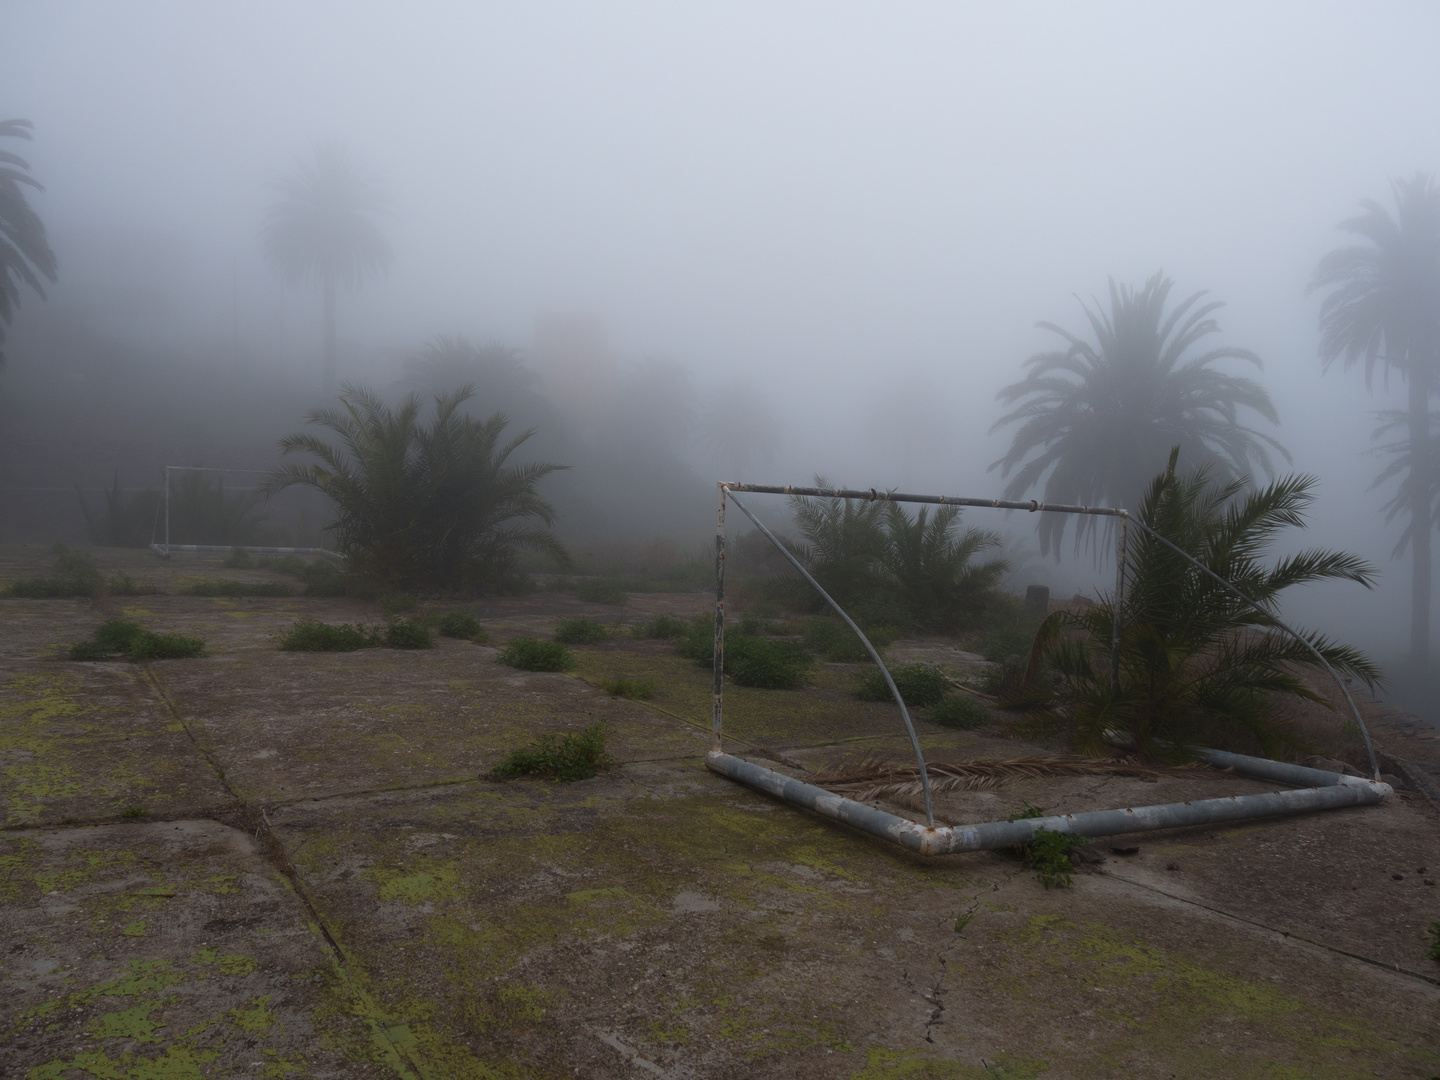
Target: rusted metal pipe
pixel 874 495
pixel 874 653
pixel 1334 792
pixel 719 688
pixel 163 550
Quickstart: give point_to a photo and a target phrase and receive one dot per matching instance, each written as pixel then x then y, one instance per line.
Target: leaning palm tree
pixel 1382 305
pixel 1098 417
pixel 1197 665
pixel 321 230
pixel 433 505
pixel 25 255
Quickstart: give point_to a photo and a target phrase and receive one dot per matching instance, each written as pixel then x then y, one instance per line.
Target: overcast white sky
pixel 822 197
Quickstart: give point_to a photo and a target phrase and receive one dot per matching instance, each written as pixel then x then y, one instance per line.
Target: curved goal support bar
pixel 1329 791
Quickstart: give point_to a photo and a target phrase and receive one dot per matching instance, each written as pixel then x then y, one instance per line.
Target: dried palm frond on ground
pixel 876 776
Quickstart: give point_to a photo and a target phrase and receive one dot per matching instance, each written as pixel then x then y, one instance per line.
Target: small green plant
pixel 133 812
pixel 1046 852
pixel 766 663
pixel 581 631
pixel 312 635
pixel 463 625
pixel 577 756
pixel 601 591
pixel 238 588
pixel 697 641
pixel 662 627
pixel 532 654
pixel 118 638
pixel 636 689
pixel 408 634
pixel 1435 941
pixel 921 685
pixel 958 711
pixel 240 560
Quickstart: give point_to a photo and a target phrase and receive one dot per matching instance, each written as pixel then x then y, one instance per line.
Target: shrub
pixel 463 625
pixel 241 560
pixel 697 641
pixel 921 685
pixel 73 574
pixel 150 646
pixel 577 756
pixel 396 603
pixel 662 626
pixel 958 711
pixel 118 637
pixel 765 663
pixel 581 631
pixel 408 634
pixel 637 689
pixel 1198 667
pixel 239 588
pixel 433 504
pixel 838 644
pixel 312 635
pixel 532 654
pixel 601 591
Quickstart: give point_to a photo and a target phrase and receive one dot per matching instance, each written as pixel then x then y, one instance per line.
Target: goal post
pixel 161 545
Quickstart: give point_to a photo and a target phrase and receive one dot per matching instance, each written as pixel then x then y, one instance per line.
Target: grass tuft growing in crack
pixel 1047 852
pixel 576 756
pixel 635 689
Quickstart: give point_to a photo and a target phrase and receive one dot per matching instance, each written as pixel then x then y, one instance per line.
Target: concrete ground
pixel 269 864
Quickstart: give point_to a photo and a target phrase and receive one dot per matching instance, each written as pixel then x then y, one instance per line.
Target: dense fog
pixel 757 242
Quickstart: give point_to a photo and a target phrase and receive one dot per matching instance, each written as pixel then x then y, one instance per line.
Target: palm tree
pixel 433 505
pixel 1096 418
pixel 321 230
pixel 1197 665
pixel 25 255
pixel 1383 306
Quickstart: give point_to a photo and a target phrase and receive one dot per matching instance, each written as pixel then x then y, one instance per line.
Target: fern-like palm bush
pixel 886 567
pixel 434 505
pixel 1197 665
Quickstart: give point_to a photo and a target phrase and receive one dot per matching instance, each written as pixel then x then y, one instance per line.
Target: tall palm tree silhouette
pixel 321 230
pixel 25 255
pixel 1098 418
pixel 1382 305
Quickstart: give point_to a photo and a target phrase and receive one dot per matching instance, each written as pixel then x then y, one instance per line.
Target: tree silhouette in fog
pixel 1099 417
pixel 1382 305
pixel 25 255
pixel 437 505
pixel 321 230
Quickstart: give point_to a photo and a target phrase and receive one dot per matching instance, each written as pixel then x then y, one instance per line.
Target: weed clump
pixel 958 711
pixel 462 625
pixel 312 635
pixel 408 634
pixel 238 588
pixel 581 631
pixel 116 639
pixel 663 627
pixel 921 685
pixel 601 591
pixel 635 689
pixel 1047 853
pixel 577 756
pixel 766 663
pixel 838 644
pixel 532 654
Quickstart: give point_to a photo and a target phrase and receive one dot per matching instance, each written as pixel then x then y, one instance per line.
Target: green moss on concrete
pixel 882 1063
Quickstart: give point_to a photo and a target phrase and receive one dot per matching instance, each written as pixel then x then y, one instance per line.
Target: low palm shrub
pixel 532 654
pixel 1197 666
pixel 576 756
pixel 581 631
pixel 435 505
pixel 921 685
